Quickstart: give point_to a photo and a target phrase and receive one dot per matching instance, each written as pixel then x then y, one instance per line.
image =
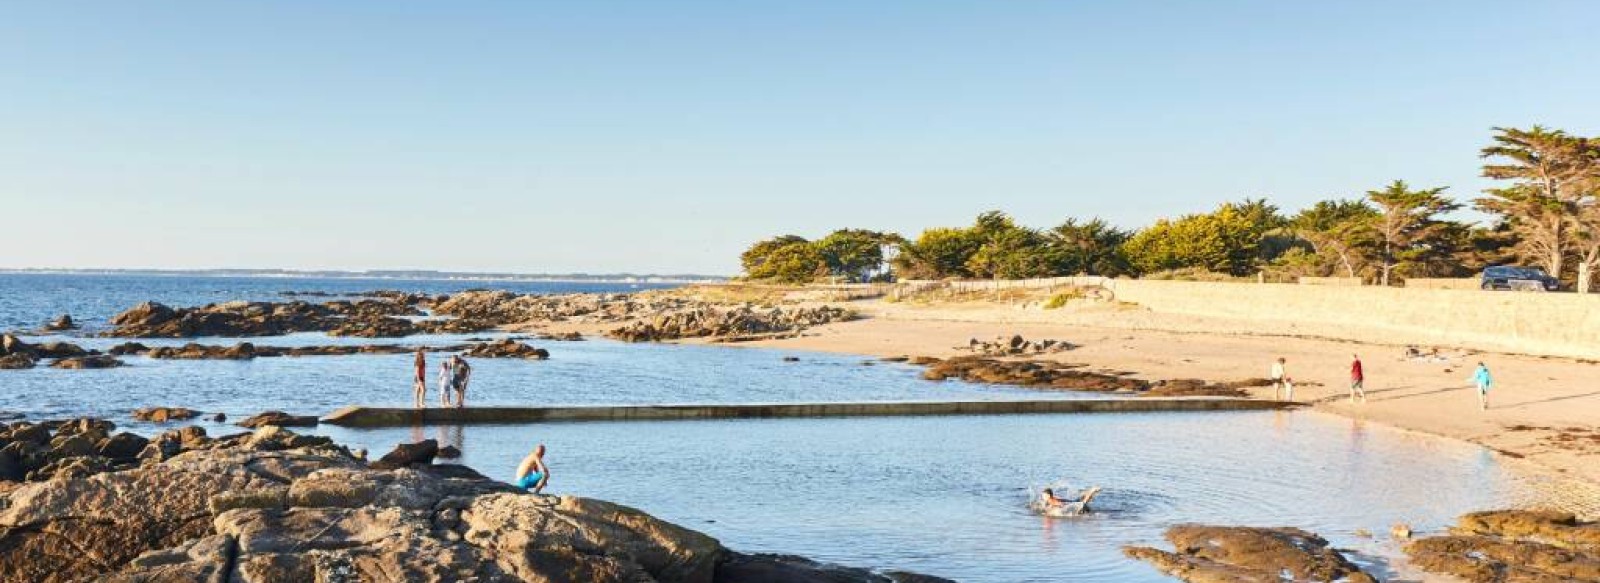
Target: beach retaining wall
pixel 1553 324
pixel 394 417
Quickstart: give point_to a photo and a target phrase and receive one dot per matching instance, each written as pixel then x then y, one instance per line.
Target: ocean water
pixel 941 495
pixel 28 301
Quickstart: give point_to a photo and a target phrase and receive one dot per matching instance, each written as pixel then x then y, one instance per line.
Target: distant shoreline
pixel 382 275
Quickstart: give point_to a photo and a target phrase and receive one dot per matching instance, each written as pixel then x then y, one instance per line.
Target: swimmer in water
pixel 1055 505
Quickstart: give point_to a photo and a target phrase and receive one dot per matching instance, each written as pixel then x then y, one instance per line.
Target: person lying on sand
pixel 532 474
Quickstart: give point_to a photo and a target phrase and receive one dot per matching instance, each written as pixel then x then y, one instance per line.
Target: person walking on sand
pixel 419 384
pixel 447 381
pixel 463 374
pixel 1358 379
pixel 1484 381
pixel 532 474
pixel 1279 382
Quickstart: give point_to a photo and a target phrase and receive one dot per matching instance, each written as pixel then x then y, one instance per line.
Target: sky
pixel 665 137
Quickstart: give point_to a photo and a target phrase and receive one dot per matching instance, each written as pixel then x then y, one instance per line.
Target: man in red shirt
pixel 1358 379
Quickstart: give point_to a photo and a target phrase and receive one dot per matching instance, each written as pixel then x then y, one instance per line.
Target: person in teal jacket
pixel 1483 380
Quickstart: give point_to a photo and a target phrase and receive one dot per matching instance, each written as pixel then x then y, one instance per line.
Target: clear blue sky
pixel 665 136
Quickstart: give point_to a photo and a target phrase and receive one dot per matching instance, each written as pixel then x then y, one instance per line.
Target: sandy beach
pixel 1542 409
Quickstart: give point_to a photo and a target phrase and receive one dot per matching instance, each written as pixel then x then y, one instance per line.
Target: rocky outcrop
pixel 1237 554
pixel 507 349
pixel 87 362
pixel 155 320
pixel 247 350
pixel 379 327
pixel 1017 346
pixel 40 451
pixel 1030 373
pixel 503 307
pixel 729 324
pixel 455 326
pixel 12 346
pixel 280 419
pixel 1513 545
pixel 271 506
pixel 368 317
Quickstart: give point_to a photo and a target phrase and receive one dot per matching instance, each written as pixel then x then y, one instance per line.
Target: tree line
pixel 1544 209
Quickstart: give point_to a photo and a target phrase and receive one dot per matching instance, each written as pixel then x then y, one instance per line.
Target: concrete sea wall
pixel 1553 324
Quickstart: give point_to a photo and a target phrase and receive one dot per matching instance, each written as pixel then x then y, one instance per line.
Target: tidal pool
pixel 947 495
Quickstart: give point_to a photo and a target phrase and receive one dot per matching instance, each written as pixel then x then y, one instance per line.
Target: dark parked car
pixel 1518 278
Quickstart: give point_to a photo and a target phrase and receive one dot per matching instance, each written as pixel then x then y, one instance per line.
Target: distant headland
pixel 387 274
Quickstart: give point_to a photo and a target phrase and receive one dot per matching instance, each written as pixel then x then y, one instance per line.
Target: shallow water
pixel 948 495
pixel 590 372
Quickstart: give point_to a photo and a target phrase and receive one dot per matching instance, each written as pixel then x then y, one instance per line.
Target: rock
pixel 561 336
pixel 280 419
pixel 219 418
pixel 729 324
pixel 1513 545
pixel 1017 346
pixel 1030 373
pixel 122 446
pixel 276 438
pixel 1194 388
pixel 507 349
pixel 1400 531
pixel 59 350
pixel 128 348
pixel 16 362
pixel 163 414
pixel 381 327
pixel 587 540
pixel 10 344
pixel 1218 554
pixel 61 324
pixel 407 454
pixel 87 362
pixel 791 359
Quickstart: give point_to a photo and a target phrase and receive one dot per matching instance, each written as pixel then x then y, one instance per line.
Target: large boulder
pixel 1238 554
pixel 507 348
pixel 280 419
pixel 408 454
pixel 585 540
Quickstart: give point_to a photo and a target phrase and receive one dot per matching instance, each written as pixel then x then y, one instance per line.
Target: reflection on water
pixel 949 495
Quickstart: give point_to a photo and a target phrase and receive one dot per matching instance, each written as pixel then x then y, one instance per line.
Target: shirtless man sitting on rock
pixel 532 474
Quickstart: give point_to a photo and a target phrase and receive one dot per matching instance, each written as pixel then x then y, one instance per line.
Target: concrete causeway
pixel 356 416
